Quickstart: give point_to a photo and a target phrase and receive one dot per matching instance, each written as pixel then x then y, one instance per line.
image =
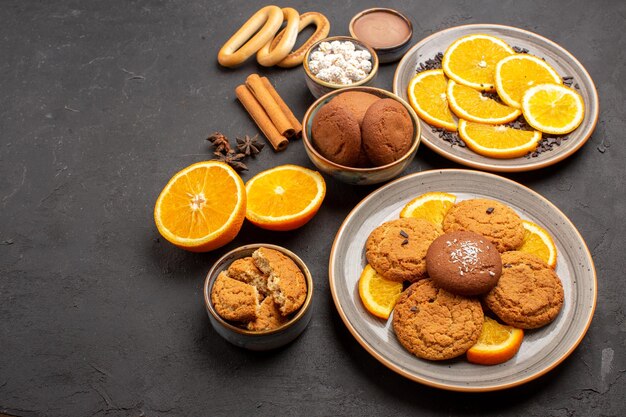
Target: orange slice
pixel 538 242
pixel 497 343
pixel 379 295
pixel 517 73
pixel 470 104
pixel 427 95
pixel 431 206
pixel 499 141
pixel 202 207
pixel 553 108
pixel 471 60
pixel 285 197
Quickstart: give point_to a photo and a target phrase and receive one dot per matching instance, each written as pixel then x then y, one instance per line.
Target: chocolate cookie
pixel 336 134
pixel 387 131
pixel 234 300
pixel 285 280
pixel 497 222
pixel 528 295
pixel 434 324
pixel 397 249
pixel 356 102
pixel 463 263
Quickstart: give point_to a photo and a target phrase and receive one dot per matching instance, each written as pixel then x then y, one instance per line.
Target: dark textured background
pixel 102 101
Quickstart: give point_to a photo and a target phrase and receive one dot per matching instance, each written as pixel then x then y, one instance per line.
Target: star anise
pixel 249 145
pixel 234 160
pixel 221 144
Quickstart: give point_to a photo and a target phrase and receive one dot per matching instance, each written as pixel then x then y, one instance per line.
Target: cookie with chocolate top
pixel 495 221
pixel 397 249
pixel 464 263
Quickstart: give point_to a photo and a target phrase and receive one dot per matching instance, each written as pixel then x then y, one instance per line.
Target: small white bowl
pixel 266 339
pixel 318 87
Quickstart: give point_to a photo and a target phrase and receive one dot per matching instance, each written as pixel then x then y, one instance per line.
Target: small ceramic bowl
pixel 359 176
pixel 258 340
pixel 390 53
pixel 318 87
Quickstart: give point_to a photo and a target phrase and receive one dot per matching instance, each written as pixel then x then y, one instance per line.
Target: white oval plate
pixel 542 349
pixel 562 61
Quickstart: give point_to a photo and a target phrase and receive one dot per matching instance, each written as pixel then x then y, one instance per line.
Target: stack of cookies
pixel 360 130
pixel 455 269
pixel 260 292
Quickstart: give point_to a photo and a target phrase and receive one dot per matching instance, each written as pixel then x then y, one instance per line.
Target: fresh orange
pixel 202 207
pixel 497 343
pixel 285 197
pixel 471 60
pixel 379 295
pixel 470 104
pixel 552 108
pixel 427 95
pixel 538 242
pixel 517 73
pixel 431 206
pixel 498 141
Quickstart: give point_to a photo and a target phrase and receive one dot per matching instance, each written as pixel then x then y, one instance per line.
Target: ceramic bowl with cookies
pixel 361 135
pixel 259 296
pixel 339 62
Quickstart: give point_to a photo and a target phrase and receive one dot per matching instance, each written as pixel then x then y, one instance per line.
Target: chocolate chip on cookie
pixel 434 324
pixel 397 249
pixel 497 222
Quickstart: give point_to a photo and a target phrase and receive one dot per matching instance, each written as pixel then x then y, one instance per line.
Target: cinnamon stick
pixel 254 108
pixel 295 123
pixel 271 107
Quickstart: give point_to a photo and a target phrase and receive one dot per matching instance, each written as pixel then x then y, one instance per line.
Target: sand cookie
pixel 434 324
pixel 268 316
pixel 387 131
pixel 336 134
pixel 285 280
pixel 397 249
pixel 464 263
pixel 234 300
pixel 529 294
pixel 245 270
pixel 489 218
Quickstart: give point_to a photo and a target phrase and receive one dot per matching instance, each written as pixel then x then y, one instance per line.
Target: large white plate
pixel 542 349
pixel 560 59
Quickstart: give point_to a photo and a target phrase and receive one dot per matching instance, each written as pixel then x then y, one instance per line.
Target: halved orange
pixel 470 104
pixel 497 343
pixel 431 206
pixel 517 73
pixel 202 207
pixel 552 108
pixel 285 197
pixel 379 295
pixel 471 60
pixel 498 141
pixel 538 242
pixel 427 95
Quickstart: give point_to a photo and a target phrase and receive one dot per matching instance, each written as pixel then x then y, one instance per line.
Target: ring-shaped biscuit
pixel 267 57
pixel 322 28
pixel 268 19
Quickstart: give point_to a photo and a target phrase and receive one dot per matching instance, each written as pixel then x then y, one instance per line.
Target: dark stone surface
pixel 103 101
